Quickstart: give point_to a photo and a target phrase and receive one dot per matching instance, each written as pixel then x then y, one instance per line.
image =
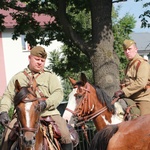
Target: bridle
pixel 28 129
pixel 88 109
pixel 85 105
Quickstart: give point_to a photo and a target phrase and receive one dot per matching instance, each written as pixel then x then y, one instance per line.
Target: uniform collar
pixel 135 57
pixel 30 72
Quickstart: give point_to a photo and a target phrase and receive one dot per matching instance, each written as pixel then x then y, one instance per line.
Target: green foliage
pixel 66 63
pixel 81 21
pixel 11 112
pixel 145 17
pixel 28 25
pixel 122 28
pixel 61 63
pixel 70 16
pixel 2 27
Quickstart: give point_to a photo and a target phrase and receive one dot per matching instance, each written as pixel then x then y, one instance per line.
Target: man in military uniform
pixel 135 88
pixel 48 85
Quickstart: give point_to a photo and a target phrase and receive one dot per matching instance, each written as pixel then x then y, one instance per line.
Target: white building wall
pixel 16 59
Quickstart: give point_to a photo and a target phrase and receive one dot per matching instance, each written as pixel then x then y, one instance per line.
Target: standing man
pixel 48 86
pixel 136 85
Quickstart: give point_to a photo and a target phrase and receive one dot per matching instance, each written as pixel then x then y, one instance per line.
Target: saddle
pixel 56 133
pixel 49 121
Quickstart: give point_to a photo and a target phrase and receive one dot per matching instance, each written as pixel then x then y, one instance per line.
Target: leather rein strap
pixel 91 116
pixel 87 101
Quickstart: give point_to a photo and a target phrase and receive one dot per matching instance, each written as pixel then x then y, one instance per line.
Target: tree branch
pixel 22 7
pixel 117 1
pixel 67 28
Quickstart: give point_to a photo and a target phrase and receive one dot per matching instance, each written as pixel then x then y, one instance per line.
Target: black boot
pixel 68 146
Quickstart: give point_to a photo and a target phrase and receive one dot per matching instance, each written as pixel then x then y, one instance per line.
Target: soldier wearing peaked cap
pixel 135 89
pixel 39 52
pixel 48 86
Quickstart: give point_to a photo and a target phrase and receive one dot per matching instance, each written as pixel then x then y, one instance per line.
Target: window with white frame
pixel 25 44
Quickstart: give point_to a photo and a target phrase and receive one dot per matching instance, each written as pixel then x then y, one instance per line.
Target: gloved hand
pixel 4 118
pixel 42 105
pixel 119 94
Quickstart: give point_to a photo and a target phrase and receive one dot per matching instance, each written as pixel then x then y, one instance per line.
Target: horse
pixel 92 103
pixel 29 133
pixel 132 135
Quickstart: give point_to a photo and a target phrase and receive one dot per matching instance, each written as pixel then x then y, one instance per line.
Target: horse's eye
pixel 78 96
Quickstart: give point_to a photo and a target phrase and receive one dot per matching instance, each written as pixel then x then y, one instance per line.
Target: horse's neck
pixel 108 118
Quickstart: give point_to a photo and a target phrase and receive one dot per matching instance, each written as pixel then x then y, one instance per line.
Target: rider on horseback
pixel 49 90
pixel 135 90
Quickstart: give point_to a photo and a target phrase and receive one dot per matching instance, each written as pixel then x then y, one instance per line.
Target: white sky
pixel 134 8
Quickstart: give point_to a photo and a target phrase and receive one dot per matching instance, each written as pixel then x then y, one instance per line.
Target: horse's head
pixel 85 95
pixel 26 102
pixel 92 103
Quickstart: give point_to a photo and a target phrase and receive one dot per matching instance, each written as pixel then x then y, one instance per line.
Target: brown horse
pixel 128 135
pixel 94 104
pixel 31 134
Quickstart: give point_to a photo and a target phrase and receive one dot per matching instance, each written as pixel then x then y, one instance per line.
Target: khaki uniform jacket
pixel 137 79
pixel 47 82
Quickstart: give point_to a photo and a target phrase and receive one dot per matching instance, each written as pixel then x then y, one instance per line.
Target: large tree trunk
pixel 104 60
pixel 105 69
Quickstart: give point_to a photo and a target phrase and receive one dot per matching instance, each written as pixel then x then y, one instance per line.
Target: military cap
pixel 128 43
pixel 39 52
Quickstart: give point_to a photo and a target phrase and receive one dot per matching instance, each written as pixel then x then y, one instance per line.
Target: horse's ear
pixel 83 78
pixel 17 86
pixel 73 82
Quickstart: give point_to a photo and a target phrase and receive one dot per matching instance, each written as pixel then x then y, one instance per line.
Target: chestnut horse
pixel 92 103
pixel 31 133
pixel 128 135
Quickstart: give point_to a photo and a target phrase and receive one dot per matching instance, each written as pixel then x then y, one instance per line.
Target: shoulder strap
pixel 137 66
pixel 29 78
pixel 31 83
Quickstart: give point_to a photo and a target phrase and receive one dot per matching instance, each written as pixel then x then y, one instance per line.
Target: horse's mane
pixel 102 137
pixel 104 98
pixel 20 95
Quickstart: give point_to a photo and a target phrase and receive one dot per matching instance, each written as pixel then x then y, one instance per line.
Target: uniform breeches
pixel 134 110
pixel 144 107
pixel 62 126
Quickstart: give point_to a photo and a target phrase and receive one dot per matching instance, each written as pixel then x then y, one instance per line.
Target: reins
pixel 7 126
pixel 85 106
pixel 91 116
pixel 87 101
pixel 95 114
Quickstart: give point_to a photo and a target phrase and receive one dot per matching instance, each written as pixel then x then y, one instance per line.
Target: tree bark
pixel 104 60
